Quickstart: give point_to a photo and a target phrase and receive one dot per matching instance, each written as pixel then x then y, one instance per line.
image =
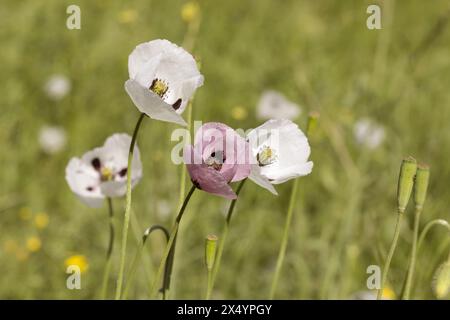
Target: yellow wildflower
pixel 190 11
pixel 239 113
pixel 127 16
pixel 388 293
pixel 34 244
pixel 77 260
pixel 41 220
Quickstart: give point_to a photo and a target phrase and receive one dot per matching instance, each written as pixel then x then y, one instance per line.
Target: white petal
pixel 259 179
pixel 163 60
pixel 273 105
pixel 288 173
pixel 290 146
pixel 80 177
pixel 116 149
pixel 149 103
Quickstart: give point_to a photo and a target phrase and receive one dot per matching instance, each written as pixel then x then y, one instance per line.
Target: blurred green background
pixel 320 54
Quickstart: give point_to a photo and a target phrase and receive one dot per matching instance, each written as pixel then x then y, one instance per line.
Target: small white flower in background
pixel 281 152
pixel 163 209
pixel 52 139
pixel 273 105
pixel 368 133
pixel 163 77
pixel 57 87
pixel 102 172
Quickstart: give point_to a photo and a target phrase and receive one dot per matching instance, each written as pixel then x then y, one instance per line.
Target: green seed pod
pixel 441 283
pixel 406 182
pixel 313 118
pixel 210 251
pixel 421 185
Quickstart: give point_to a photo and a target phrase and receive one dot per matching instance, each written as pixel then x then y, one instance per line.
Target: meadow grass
pixel 319 54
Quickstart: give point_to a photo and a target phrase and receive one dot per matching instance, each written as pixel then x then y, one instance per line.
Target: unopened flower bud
pixel 421 185
pixel 441 284
pixel 210 251
pixel 406 182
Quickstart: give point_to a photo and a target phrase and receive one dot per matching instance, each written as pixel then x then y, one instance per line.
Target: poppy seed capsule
pixel 421 185
pixel 406 182
pixel 210 251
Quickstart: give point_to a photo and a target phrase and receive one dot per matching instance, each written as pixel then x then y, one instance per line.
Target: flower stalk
pixel 210 255
pixel 420 192
pixel 126 220
pixel 404 189
pixel 224 235
pixel 138 254
pixel 170 243
pixel 109 250
pixel 312 124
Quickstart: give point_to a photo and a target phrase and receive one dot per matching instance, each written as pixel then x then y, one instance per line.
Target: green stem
pixel 132 271
pixel 412 264
pixel 387 264
pixel 224 236
pixel 126 220
pixel 209 286
pixel 427 228
pixel 109 250
pixel 284 241
pixel 170 243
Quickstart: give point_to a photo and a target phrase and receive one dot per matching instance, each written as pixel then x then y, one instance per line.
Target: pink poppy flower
pixel 218 157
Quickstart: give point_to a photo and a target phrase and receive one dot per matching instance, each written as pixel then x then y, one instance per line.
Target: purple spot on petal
pixel 123 172
pixel 96 163
pixel 177 104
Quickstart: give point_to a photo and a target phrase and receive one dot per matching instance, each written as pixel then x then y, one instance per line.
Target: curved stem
pixel 427 228
pixel 223 238
pixel 412 264
pixel 170 243
pixel 126 220
pixel 109 250
pixel 284 241
pixel 387 264
pixel 132 271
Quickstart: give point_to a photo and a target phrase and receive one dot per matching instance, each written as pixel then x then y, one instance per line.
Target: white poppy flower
pixel 52 139
pixel 57 87
pixel 102 172
pixel 280 151
pixel 368 133
pixel 273 105
pixel 163 77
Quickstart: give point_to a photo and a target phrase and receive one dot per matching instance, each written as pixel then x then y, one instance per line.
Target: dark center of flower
pixel 216 160
pixel 106 174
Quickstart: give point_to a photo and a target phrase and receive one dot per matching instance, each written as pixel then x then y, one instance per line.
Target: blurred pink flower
pixel 218 157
